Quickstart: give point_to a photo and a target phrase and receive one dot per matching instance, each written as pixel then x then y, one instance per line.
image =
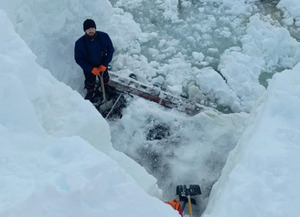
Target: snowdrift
pixel 261 175
pixel 56 154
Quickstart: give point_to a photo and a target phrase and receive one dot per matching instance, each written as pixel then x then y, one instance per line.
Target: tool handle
pixel 190 205
pixel 102 86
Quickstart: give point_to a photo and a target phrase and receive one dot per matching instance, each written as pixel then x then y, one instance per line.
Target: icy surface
pixel 56 153
pixel 261 175
pixel 49 162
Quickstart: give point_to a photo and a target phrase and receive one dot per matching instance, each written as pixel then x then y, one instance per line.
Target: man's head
pixel 89 27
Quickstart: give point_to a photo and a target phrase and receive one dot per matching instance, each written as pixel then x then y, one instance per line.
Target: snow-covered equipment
pixel 154 93
pixel 129 85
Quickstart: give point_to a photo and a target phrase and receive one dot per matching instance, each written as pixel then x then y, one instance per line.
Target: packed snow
pixel 49 162
pixel 59 157
pixel 261 176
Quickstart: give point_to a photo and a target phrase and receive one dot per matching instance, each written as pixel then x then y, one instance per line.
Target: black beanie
pixel 88 23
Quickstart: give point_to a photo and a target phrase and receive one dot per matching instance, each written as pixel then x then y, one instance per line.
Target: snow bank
pixel 265 48
pixel 57 113
pixel 261 175
pixel 49 177
pixel 271 43
pixel 291 9
pixel 49 166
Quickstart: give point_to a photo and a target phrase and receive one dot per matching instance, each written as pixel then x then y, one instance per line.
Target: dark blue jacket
pixel 89 54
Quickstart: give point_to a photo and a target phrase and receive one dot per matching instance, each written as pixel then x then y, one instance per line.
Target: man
pixel 93 52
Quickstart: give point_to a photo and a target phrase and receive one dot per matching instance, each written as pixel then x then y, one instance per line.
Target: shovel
pixel 105 105
pixel 185 193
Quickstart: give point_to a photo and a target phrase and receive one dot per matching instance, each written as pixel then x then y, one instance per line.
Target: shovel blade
pixel 105 106
pixel 181 190
pixel 192 190
pixel 195 190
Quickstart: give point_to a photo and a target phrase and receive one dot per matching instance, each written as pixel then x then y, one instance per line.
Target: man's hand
pixel 96 71
pixel 102 68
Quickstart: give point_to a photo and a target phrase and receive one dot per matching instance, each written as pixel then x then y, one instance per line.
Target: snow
pixel 290 8
pixel 59 157
pixel 261 174
pixel 66 177
pixel 48 152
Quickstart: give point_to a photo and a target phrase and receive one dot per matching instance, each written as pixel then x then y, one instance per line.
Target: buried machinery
pixel 121 86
